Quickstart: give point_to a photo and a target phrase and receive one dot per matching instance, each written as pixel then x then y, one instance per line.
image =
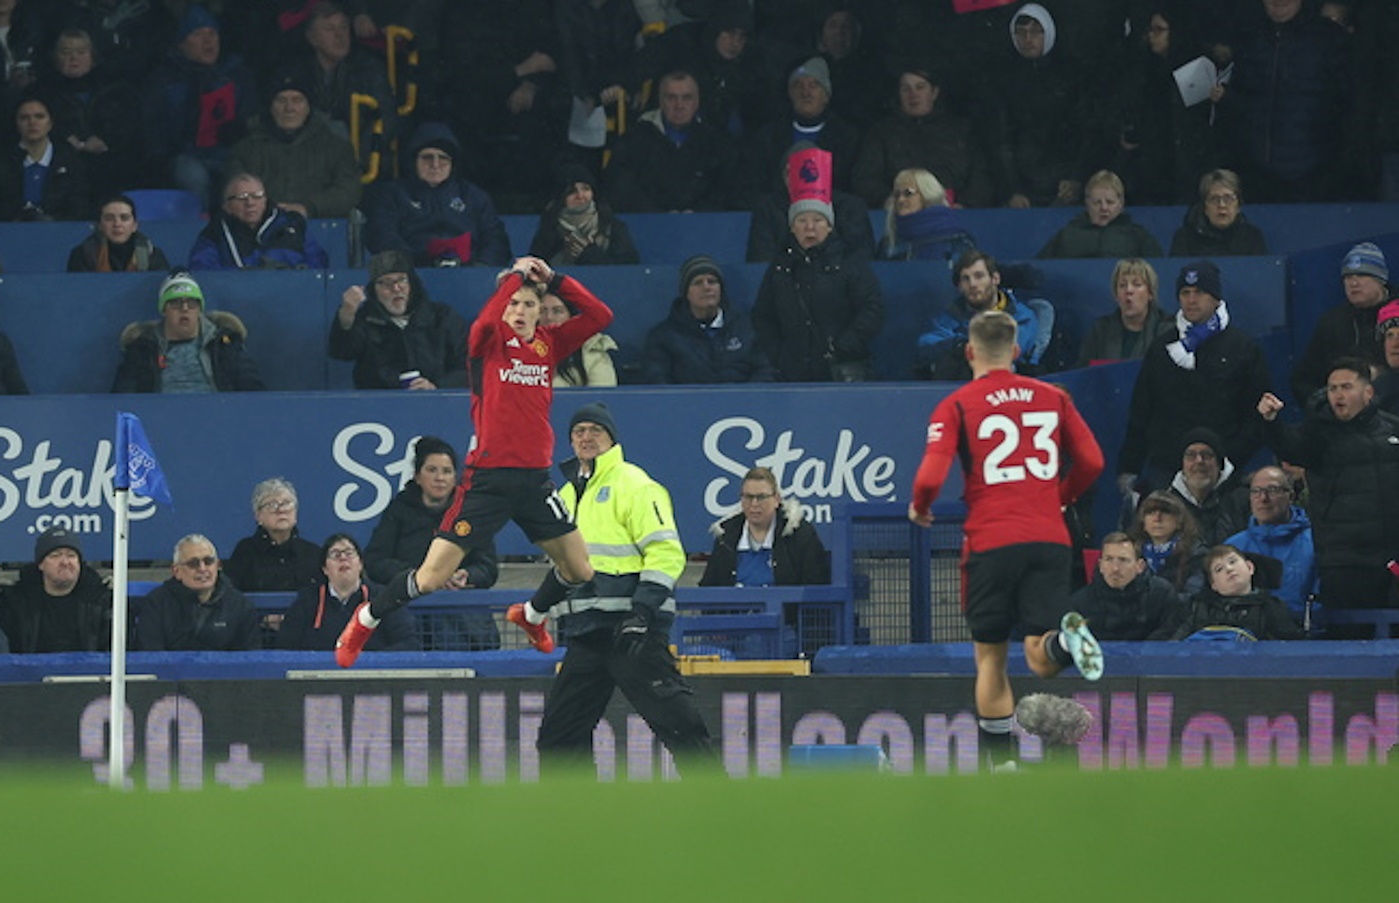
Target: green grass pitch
pixel 1048 835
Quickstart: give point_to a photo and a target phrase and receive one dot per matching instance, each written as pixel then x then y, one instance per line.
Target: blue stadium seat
pixel 165 203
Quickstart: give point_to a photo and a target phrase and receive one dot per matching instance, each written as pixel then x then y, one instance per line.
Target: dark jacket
pixel 433 342
pixel 173 620
pixel 940 142
pixel 95 106
pixel 1261 614
pixel 23 608
pixel 798 557
pixel 359 73
pixel 315 618
pixel 650 173
pixel 434 224
pixel 1221 393
pixel 225 359
pixel 315 166
pixel 1104 339
pixel 769 228
pixel 259 565
pixel 140 253
pixel 549 244
pixel 1119 238
pixel 1148 608
pixel 1198 237
pixel 1340 331
pixel 770 144
pixel 65 194
pixel 1352 481
pixel 281 241
pixel 816 307
pixel 933 233
pixel 187 108
pixel 682 350
pixel 403 534
pixel 1220 514
pixel 11 379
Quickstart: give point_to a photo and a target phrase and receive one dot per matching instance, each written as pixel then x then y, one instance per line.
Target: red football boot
pixel 538 633
pixel 352 640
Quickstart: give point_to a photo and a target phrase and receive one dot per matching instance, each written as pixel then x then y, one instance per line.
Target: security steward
pixel 617 626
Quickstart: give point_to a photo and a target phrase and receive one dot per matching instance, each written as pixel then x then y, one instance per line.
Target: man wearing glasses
pixel 1280 529
pixel 198 608
pixel 188 349
pixel 434 214
pixel 1208 483
pixel 252 233
pixel 399 338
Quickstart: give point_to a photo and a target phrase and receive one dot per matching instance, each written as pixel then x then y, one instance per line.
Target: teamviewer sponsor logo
pixel 522 374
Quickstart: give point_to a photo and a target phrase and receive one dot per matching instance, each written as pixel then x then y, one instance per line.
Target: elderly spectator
pixel 1351 453
pixel 198 609
pixel 275 557
pixel 942 349
pixel 96 114
pixel 126 34
pixel 305 164
pixel 1206 372
pixel 818 311
pixel 435 214
pixel 1125 601
pixel 705 339
pixel 670 159
pixel 252 233
pixel 576 228
pixel 1279 529
pixel 812 120
pixel 398 337
pixel 187 349
pixel 1103 229
pixel 117 245
pixel 768 229
pixel 920 135
pixel 194 107
pixel 318 613
pixel 59 604
pixel 1348 329
pixel 406 529
pixel 334 70
pixel 919 223
pixel 1208 484
pixel 1216 225
pixel 590 365
pixel 41 179
pixel 1235 604
pixel 1170 541
pixel 1126 333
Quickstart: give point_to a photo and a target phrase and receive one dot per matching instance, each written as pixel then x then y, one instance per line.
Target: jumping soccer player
pixel 512 360
pixel 1013 435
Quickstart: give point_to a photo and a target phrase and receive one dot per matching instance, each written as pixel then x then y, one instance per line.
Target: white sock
pixel 1063 641
pixel 533 616
pixel 366 619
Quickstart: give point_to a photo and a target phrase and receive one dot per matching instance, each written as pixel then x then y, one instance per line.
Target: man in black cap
pixel 60 604
pixel 1208 484
pixel 1204 373
pixel 617 625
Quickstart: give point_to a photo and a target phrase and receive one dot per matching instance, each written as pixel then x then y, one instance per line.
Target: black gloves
pixel 634 631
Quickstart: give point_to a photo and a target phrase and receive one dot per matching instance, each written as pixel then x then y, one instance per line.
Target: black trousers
pixel 592 668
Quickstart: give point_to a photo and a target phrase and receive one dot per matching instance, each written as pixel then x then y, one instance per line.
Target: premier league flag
pixel 137 467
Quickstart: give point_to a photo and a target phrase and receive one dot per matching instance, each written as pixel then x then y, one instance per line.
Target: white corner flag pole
pixel 116 755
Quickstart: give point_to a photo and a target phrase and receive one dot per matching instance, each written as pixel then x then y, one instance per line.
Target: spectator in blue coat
pixel 942 349
pixel 1279 529
pixel 705 339
pixel 195 106
pixel 252 233
pixel 438 217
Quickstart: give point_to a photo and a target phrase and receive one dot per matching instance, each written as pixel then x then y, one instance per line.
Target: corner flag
pixel 137 468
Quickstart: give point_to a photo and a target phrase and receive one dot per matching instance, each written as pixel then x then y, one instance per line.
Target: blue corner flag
pixel 137 469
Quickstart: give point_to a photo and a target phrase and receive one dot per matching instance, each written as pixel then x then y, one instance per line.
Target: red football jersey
pixel 1013 435
pixel 512 380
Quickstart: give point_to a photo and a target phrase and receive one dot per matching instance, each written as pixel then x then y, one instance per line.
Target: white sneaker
pixel 1082 645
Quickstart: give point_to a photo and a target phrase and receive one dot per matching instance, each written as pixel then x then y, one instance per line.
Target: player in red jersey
pixel 506 477
pixel 1013 436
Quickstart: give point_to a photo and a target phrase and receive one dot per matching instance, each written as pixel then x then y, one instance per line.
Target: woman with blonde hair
pixel 920 222
pixel 1127 332
pixel 1104 228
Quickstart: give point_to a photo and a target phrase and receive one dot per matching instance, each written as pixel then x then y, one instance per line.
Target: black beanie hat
pixel 698 265
pixel 56 538
pixel 594 413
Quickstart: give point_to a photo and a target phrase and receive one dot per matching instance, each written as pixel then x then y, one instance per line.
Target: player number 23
pixel 1041 467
